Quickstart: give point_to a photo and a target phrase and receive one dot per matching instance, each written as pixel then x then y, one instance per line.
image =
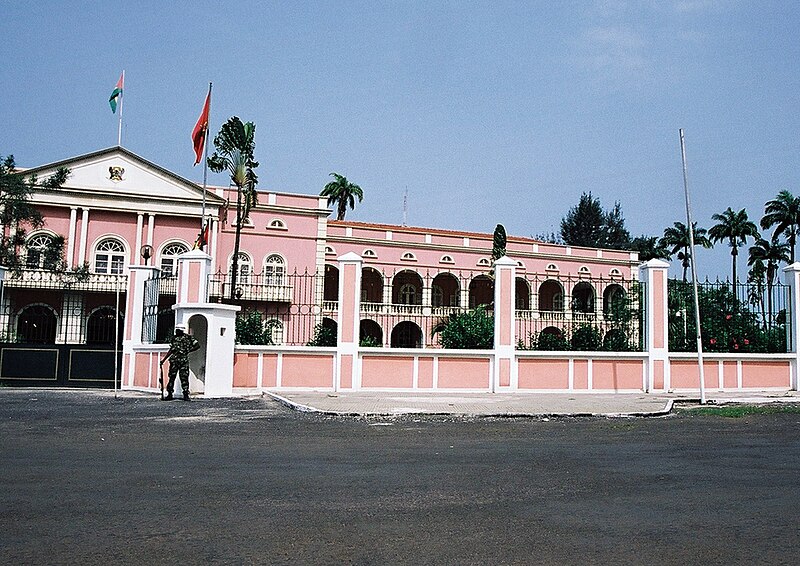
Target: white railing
pixel 43 279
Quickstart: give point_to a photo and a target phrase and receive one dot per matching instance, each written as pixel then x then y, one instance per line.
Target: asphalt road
pixel 89 479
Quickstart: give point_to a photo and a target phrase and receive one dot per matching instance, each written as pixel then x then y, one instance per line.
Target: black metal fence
pixel 733 318
pixel 579 313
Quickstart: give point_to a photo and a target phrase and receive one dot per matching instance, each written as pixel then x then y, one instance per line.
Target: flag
pixel 116 94
pixel 202 238
pixel 200 131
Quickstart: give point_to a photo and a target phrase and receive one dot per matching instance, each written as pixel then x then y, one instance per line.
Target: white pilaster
pixel 84 235
pixel 655 331
pixel 73 221
pixel 791 276
pixel 505 370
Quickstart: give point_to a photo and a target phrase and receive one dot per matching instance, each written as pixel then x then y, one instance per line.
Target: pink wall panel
pixel 658 374
pixel 269 376
pixel 425 373
pixel 388 371
pixel 464 373
pixel 765 374
pixel 301 370
pixel 543 374
pixel 580 374
pixel 658 314
pixel 729 375
pixel 245 369
pixel 684 374
pixel 141 376
pixel 346 367
pixel 617 374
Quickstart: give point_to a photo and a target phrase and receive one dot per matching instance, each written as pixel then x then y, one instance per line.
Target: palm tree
pixel 342 193
pixel 771 253
pixel 736 228
pixel 676 239
pixel 649 247
pixel 783 212
pixel 235 146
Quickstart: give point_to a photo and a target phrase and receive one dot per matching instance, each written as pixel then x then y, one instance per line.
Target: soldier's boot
pixel 169 397
pixel 186 396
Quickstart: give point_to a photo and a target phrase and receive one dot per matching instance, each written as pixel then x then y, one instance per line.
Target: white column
pixel 655 332
pixel 84 235
pixel 134 309
pixel 151 220
pixel 214 237
pixel 137 258
pixel 6 333
pixel 347 330
pixel 791 276
pixel 505 370
pixel 73 221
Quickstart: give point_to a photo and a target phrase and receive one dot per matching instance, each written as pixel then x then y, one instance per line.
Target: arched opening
pixel 330 287
pixel 370 333
pixel 406 335
pixel 37 324
pixel 522 294
pixel 614 298
pixel 551 296
pixel 445 291
pixel 198 328
pixel 100 326
pixel 40 252
pixel 481 291
pixel 109 257
pixel 407 288
pixel 583 298
pixel 371 285
pixel 169 258
pixel 274 270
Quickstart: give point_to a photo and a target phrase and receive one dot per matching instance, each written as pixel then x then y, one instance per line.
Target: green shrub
pixel 472 330
pixel 586 338
pixel 550 341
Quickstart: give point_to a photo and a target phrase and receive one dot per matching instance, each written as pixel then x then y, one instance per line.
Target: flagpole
pixel 693 257
pixel 121 99
pixel 205 172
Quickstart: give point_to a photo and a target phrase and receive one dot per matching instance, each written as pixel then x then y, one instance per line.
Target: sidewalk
pixel 375 403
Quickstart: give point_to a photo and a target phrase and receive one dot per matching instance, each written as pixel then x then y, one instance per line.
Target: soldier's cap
pixel 181 327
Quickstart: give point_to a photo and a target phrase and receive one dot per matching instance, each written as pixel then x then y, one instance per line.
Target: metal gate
pixel 58 365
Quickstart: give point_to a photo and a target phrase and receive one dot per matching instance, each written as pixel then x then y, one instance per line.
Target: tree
pixel 783 212
pixel 499 240
pixel 736 228
pixel 235 147
pixel 342 193
pixel 587 224
pixel 649 247
pixel 18 215
pixel 676 239
pixel 770 253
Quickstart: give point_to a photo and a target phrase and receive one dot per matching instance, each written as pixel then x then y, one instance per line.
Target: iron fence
pixel 741 317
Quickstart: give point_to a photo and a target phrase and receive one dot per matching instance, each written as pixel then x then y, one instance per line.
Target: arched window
pixel 274 270
pixel 245 268
pixel 109 257
pixel 39 252
pixel 437 296
pixel 446 259
pixel 277 224
pixel 369 253
pixel 169 258
pixel 406 335
pixel 329 250
pixel 408 256
pixel 483 262
pixel 100 326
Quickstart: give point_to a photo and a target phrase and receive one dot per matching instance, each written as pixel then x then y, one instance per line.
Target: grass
pixel 738 411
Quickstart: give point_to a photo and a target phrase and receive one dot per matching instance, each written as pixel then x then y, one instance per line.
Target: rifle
pixel 161 379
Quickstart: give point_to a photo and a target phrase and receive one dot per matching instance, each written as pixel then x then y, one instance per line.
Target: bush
pixel 586 338
pixel 324 336
pixel 472 330
pixel 251 329
pixel 549 341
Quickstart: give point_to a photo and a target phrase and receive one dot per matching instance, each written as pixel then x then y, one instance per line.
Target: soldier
pixel 179 348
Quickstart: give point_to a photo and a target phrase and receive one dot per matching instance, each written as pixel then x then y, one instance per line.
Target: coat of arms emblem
pixel 116 173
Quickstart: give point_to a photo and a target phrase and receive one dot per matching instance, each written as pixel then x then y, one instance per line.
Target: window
pixel 277 224
pixel 446 259
pixel 521 266
pixel 615 272
pixel 408 256
pixel 245 267
pixel 583 269
pixel 551 267
pixel 39 252
pixel 369 253
pixel 274 270
pixel 483 262
pixel 329 250
pixel 169 258
pixel 437 296
pixel 408 294
pixel 109 257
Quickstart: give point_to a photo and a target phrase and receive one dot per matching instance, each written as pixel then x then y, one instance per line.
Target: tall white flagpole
pixel 121 99
pixel 694 273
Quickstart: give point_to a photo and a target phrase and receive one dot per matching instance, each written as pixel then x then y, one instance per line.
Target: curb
pixel 302 408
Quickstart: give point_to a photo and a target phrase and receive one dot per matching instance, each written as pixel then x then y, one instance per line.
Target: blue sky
pixel 486 112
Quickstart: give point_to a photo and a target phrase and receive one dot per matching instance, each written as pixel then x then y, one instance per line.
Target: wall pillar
pixel 348 375
pixel 134 311
pixel 653 275
pixel 791 276
pixel 505 370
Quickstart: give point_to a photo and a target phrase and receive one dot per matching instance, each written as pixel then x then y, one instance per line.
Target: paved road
pixel 89 479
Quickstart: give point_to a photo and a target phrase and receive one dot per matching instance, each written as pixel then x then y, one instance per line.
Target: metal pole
pixel 121 100
pixel 116 340
pixel 205 173
pixel 693 259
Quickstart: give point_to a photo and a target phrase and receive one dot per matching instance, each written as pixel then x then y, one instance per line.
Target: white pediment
pixel 118 171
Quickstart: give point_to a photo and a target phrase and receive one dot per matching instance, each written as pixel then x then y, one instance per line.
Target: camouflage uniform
pixel 179 349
